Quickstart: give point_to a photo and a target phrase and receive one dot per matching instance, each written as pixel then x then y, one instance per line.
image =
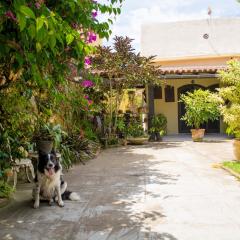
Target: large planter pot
pixel 197 134
pixel 137 140
pixel 236 149
pixel 44 146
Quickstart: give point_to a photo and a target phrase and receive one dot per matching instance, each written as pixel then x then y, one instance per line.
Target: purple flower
pixel 37 5
pixel 86 97
pixel 74 25
pixel 91 37
pixel 87 83
pixel 87 61
pixel 94 14
pixel 90 101
pixel 9 14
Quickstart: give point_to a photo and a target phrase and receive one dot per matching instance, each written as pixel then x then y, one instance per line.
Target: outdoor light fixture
pixel 206 36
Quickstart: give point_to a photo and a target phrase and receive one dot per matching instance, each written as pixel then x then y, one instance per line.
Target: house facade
pixel 189 55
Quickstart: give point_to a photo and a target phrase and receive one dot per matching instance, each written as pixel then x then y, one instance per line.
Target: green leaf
pixel 42 34
pixel 39 23
pixel 22 21
pixel 52 42
pixel 69 38
pixel 27 11
pixel 32 31
pixel 38 47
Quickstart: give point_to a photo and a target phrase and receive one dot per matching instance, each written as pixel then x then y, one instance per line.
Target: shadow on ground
pixel 119 200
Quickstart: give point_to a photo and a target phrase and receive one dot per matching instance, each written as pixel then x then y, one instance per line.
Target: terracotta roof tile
pixel 191 69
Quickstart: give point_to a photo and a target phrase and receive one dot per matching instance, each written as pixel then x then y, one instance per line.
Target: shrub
pixel 134 129
pixel 5 190
pixel 201 106
pixel 230 93
pixel 159 124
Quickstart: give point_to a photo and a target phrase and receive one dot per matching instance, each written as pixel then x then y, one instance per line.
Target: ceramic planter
pixel 197 134
pixel 137 140
pixel 44 146
pixel 236 149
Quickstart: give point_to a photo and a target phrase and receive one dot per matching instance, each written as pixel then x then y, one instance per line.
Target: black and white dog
pixel 49 183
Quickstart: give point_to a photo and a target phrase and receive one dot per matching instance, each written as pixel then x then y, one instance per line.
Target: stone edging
pixel 237 175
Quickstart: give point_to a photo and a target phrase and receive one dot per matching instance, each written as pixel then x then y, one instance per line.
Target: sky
pixel 136 12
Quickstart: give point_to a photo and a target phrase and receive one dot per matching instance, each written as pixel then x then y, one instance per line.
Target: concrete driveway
pixel 167 190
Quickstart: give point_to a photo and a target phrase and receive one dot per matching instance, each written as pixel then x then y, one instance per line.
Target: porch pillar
pixel 150 104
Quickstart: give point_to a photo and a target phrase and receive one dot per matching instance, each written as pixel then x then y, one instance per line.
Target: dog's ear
pixel 53 152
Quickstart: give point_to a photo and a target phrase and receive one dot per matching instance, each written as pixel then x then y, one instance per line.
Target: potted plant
pixel 48 136
pixel 230 109
pixel 135 133
pixel 201 106
pixel 158 127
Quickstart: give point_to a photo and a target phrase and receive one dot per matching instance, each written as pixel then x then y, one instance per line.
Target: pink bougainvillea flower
pixel 37 5
pixel 9 14
pixel 86 97
pixel 87 83
pixel 90 101
pixel 94 14
pixel 74 25
pixel 87 60
pixel 91 37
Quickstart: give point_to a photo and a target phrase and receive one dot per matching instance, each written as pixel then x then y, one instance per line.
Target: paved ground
pixel 162 191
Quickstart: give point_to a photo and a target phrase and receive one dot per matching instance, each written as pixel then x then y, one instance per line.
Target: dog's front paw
pixel 36 205
pixel 61 203
pixel 50 202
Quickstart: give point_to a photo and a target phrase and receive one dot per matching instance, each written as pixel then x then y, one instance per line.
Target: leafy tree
pixel 230 92
pixel 44 44
pixel 122 68
pixel 40 38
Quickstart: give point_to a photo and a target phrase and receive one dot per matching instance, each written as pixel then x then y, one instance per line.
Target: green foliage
pixel 5 190
pixel 41 38
pixel 230 93
pixel 201 106
pixel 50 132
pixel 121 125
pixel 122 69
pixel 16 126
pixel 135 129
pixel 43 45
pixel 76 149
pixel 88 130
pixel 159 124
pixel 235 166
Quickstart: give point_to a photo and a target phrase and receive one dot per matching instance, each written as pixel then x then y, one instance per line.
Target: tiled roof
pixel 190 69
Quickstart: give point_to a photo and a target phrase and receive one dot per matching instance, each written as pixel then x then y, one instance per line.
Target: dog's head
pixel 48 163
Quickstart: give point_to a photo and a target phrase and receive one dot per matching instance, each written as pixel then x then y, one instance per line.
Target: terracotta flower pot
pixel 236 149
pixel 197 134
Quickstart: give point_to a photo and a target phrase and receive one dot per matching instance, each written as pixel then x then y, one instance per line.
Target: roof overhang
pixel 191 69
pixel 199 57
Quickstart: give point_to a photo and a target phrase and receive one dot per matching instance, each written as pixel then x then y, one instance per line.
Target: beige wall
pixel 195 61
pixel 185 38
pixel 170 109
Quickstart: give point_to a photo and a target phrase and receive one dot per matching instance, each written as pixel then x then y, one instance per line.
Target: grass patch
pixel 235 166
